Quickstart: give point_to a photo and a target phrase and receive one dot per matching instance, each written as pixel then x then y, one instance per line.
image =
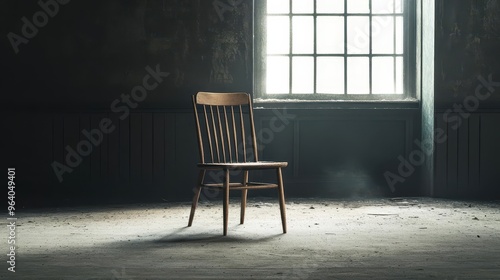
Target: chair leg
pixel 225 206
pixel 244 197
pixel 281 199
pixel 196 196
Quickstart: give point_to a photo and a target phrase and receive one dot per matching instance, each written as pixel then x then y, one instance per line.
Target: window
pixel 335 49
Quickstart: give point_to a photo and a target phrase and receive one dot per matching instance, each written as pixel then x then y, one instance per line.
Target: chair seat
pixel 244 165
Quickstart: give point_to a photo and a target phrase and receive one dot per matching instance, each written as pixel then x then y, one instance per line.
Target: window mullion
pixel 370 52
pixel 290 63
pixel 315 50
pixel 394 46
pixel 345 47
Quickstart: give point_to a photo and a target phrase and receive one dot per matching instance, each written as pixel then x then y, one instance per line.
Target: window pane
pixel 278 35
pixel 303 75
pixel 358 35
pixel 358 75
pixel 382 6
pixel 329 6
pixel 330 75
pixel 399 6
pixel 278 70
pixel 358 6
pixel 399 35
pixel 278 6
pixel 303 34
pixel 303 6
pixel 330 35
pixel 399 75
pixel 383 75
pixel 383 34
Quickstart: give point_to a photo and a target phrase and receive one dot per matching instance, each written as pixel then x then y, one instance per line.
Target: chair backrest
pixel 222 127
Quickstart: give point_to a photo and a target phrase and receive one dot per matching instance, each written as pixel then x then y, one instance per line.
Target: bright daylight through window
pixel 334 49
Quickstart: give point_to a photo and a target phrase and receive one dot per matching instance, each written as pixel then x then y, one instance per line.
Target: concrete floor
pixel 412 238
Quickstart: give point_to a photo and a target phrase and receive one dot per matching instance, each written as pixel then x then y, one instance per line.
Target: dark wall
pixel 91 52
pixel 468 98
pixel 64 80
pixel 467 45
pixel 65 75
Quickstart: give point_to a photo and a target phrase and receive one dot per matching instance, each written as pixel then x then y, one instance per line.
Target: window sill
pixel 264 103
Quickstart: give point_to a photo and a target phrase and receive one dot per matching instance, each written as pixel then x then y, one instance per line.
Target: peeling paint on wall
pixel 468 44
pixel 229 43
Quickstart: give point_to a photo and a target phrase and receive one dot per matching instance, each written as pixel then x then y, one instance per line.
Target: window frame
pixel 409 61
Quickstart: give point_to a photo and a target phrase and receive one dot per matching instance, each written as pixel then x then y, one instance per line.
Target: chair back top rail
pixel 222 99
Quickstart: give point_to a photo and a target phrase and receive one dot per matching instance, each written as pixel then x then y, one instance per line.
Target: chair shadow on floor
pixel 181 235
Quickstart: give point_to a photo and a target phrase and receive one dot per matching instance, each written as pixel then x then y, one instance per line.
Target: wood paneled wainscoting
pixel 149 154
pixel 467 161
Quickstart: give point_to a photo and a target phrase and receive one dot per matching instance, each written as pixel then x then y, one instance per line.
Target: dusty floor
pixel 412 238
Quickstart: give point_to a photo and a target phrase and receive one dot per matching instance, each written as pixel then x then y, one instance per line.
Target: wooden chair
pixel 221 130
